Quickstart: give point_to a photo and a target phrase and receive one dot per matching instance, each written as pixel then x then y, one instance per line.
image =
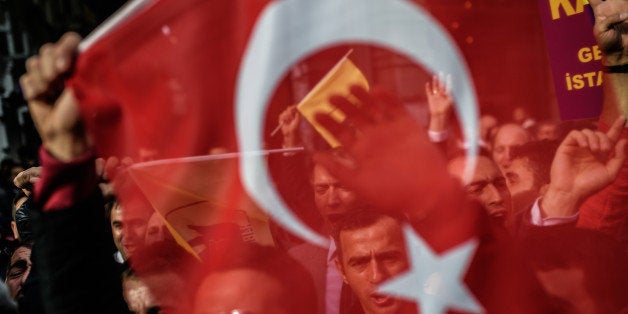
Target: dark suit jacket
pixel 72 257
pixel 314 259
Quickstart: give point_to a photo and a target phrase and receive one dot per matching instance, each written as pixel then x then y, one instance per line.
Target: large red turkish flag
pixel 177 80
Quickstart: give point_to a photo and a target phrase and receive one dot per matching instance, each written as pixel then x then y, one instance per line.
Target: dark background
pixel 24 26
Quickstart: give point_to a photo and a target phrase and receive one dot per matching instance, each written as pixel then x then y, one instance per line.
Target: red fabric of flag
pixel 162 88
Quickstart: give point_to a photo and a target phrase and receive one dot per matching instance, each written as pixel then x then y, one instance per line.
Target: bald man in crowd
pixel 508 136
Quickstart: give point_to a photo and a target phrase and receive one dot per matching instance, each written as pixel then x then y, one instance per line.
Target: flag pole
pixel 125 12
pixel 216 157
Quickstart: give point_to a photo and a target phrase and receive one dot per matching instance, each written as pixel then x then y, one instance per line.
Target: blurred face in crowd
pixel 156 229
pixel 507 137
pixel 369 256
pixel 487 124
pixel 547 131
pixel 519 115
pixel 19 268
pixel 137 296
pixel 488 186
pixel 243 289
pixel 128 233
pixel 522 184
pixel 332 198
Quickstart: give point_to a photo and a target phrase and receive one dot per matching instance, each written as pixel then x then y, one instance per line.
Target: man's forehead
pixel 485 169
pixel 394 250
pixel 385 231
pixel 133 215
pixel 509 134
pixel 320 175
pixel 130 213
pixel 21 254
pixel 116 213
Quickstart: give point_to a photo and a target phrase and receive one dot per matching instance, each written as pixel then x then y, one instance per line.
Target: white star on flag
pixel 434 282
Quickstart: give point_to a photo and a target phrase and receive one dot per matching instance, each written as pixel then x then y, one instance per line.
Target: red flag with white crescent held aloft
pixel 191 92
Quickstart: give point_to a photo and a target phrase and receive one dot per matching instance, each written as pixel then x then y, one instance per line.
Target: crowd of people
pixel 547 205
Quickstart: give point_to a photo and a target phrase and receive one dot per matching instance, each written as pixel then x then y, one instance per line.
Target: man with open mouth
pixel 371 250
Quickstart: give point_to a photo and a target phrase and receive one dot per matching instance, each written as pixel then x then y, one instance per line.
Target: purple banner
pixel 574 57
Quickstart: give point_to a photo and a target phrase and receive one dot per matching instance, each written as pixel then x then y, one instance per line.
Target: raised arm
pixel 440 105
pixel 52 106
pixel 289 121
pixel 393 165
pixel 585 162
pixel 72 244
pixel 610 30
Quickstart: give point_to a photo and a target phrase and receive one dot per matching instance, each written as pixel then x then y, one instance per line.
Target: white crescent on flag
pixel 289 30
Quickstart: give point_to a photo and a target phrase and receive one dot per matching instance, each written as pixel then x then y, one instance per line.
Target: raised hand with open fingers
pixel 586 162
pixel 440 103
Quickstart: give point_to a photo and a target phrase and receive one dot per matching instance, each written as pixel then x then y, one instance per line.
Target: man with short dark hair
pixel 19 269
pixel 128 229
pixel 529 173
pixel 332 201
pixel 371 250
pixel 488 186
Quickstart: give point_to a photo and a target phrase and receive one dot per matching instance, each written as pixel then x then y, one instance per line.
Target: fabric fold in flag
pixel 200 198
